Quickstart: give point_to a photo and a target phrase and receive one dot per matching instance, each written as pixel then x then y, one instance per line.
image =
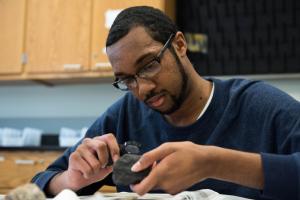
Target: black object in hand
pixel 129 147
pixel 122 174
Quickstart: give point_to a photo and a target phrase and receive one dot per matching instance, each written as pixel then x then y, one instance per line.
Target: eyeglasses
pixel 146 72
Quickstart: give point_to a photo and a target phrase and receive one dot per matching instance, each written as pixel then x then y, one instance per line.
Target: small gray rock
pixel 26 192
pixel 122 174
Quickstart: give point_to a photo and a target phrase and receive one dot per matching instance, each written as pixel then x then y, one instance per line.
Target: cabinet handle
pixel 24 162
pixel 102 66
pixel 2 158
pixel 72 67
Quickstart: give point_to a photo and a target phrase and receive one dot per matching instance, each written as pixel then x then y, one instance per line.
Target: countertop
pixel 33 148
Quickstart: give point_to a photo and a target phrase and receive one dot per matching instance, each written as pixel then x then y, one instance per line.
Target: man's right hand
pixel 87 164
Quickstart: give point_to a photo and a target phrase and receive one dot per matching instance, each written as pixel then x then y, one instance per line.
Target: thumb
pixel 153 156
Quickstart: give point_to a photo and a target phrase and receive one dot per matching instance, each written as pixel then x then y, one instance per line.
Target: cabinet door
pixel 11 35
pixel 19 167
pixel 104 12
pixel 58 35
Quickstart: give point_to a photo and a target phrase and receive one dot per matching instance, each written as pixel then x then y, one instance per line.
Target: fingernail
pixel 136 167
pixel 115 158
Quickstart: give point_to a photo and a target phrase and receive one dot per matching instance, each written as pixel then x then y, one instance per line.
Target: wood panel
pixel 104 11
pixel 18 167
pixel 58 35
pixel 61 39
pixel 12 14
pixel 108 189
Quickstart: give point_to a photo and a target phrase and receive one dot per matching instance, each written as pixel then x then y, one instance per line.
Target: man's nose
pixel 144 87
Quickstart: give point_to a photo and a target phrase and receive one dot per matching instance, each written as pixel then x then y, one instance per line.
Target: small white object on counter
pixel 68 137
pixel 31 136
pixel 66 195
pixel 11 137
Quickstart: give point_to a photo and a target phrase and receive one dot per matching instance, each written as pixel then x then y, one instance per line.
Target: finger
pixel 103 173
pixel 99 149
pixel 107 170
pixel 154 165
pixel 78 163
pixel 102 151
pixel 154 179
pixel 113 146
pixel 153 156
pixel 90 159
pixel 145 185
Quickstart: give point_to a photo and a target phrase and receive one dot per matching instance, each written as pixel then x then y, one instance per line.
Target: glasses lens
pixel 122 86
pixel 126 84
pixel 150 70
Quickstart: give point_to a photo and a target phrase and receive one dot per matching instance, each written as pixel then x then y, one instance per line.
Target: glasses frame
pixel 139 74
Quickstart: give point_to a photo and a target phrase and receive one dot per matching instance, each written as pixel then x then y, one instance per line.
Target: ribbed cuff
pixel 42 179
pixel 281 177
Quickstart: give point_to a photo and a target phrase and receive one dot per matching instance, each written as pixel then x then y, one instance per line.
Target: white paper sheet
pixel 204 194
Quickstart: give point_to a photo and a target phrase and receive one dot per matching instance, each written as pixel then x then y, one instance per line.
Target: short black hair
pixel 158 25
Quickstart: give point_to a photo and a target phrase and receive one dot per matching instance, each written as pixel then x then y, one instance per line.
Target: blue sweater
pixel 244 115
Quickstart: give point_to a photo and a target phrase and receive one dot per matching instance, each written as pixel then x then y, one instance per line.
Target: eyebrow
pixel 137 62
pixel 143 57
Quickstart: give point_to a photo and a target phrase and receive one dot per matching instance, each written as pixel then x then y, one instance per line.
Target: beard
pixel 177 100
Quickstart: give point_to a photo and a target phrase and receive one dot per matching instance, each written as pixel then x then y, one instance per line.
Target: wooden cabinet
pixel 12 15
pixel 104 13
pixel 59 39
pixel 58 35
pixel 18 167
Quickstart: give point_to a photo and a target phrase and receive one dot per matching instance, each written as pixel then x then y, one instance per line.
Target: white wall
pixel 58 101
pixel 74 106
pixel 50 108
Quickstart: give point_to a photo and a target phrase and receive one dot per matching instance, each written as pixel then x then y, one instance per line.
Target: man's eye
pixel 151 66
pixel 128 81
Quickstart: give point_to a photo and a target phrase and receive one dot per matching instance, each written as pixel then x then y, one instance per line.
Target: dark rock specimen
pixel 122 174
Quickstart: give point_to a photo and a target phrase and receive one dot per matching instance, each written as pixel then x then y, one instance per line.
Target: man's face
pixel 165 91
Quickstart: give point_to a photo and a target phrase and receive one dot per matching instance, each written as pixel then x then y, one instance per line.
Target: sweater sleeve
pixel 104 124
pixel 282 178
pixel 282 167
pixel 43 178
pixel 59 165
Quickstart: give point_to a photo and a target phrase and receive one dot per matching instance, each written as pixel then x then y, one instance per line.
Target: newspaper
pixel 204 194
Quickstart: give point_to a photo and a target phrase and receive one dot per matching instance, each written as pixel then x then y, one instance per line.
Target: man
pixel 236 137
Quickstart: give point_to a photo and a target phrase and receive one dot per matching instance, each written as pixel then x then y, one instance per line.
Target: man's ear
pixel 180 44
